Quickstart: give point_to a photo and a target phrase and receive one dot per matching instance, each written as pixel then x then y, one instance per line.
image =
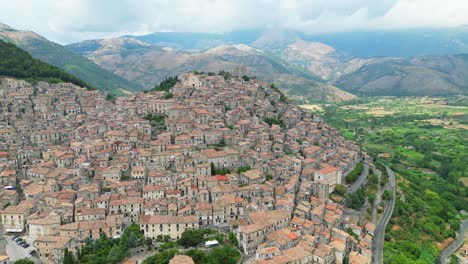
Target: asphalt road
pixel 379 233
pixel 378 199
pixel 454 245
pixel 357 184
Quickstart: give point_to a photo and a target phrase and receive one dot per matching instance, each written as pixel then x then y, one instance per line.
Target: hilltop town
pixel 222 153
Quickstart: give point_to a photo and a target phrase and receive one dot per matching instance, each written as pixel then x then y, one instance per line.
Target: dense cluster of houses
pixel 75 166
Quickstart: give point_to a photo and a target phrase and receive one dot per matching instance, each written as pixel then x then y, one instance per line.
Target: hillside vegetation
pixel 15 62
pixel 71 62
pixel 424 141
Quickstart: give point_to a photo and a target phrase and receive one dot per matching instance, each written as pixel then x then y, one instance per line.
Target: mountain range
pixel 71 62
pixel 307 67
pixel 304 68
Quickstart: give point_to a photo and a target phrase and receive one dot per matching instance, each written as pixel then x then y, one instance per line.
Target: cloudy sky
pixel 67 21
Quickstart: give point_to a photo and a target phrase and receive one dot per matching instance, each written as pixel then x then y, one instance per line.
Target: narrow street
pixel 379 234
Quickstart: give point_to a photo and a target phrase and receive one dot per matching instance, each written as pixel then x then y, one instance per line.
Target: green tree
pixel 233 239
pixel 191 238
pixel 340 189
pixel 132 237
pixel 243 169
pixel 371 197
pixel 166 84
pixel 387 195
pixel 111 98
pixel 274 121
pixel 198 256
pixel 68 257
pixel 354 174
pixel 148 242
pixel 117 254
pixel 24 261
pixel 387 237
pixel 224 255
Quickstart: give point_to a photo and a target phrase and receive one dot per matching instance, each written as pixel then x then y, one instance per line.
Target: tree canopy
pixel 166 84
pixel 106 250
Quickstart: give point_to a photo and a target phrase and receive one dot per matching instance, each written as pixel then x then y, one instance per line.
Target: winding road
pixel 379 233
pixel 454 245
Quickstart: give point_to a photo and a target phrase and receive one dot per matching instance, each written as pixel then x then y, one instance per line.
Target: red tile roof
pixel 222 177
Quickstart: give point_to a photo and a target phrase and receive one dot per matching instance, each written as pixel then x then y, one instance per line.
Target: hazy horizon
pixel 74 20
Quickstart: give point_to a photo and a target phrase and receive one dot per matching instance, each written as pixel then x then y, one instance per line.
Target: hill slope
pixel 304 67
pixel 15 62
pixel 65 59
pixel 147 65
pixel 397 43
pixel 431 75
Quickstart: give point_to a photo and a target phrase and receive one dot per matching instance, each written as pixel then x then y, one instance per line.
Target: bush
pixel 387 237
pixel 387 195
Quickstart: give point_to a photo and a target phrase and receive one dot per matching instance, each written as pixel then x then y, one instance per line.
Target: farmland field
pixel 425 141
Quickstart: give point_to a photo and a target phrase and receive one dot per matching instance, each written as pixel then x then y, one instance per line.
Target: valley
pixel 424 140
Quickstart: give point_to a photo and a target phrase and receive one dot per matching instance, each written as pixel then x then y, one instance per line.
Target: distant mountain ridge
pixel 309 69
pixel 71 62
pixel 332 66
pixel 149 64
pixel 429 75
pixel 362 44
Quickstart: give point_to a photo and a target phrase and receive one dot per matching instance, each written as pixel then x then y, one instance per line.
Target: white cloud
pixel 67 21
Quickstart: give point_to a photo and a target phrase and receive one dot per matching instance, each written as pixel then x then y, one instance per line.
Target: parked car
pixel 17 239
pixel 25 245
pixel 33 252
pixel 13 238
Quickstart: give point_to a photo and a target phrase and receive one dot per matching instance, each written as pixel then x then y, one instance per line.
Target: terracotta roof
pixel 167 219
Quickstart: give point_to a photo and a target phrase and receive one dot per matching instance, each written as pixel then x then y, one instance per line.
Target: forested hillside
pixel 70 62
pixel 15 62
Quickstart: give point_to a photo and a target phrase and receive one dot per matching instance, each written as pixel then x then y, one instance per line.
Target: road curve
pixel 379 233
pixel 448 251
